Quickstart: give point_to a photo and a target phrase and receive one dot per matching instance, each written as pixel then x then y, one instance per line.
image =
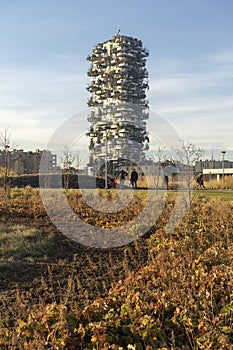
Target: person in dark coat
pixel 122 175
pixel 134 178
pixel 165 181
pixel 200 181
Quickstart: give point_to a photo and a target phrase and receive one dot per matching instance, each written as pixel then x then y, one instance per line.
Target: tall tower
pixel 119 108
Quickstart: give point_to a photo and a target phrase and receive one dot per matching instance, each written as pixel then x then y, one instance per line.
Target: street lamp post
pixel 223 166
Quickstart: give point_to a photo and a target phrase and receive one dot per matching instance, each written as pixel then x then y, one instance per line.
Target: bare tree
pixel 5 144
pixel 188 154
pixel 159 159
pixel 162 160
pixel 67 160
pixel 78 161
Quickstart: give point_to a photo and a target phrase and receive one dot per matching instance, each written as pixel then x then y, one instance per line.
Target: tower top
pixel 118 30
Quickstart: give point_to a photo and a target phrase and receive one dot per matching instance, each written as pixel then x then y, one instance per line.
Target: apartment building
pixel 27 162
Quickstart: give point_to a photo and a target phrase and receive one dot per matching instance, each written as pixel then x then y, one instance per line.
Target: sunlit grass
pixel 19 243
pixel 227 183
pixel 220 194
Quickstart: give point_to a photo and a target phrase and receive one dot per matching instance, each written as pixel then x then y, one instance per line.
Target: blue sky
pixel 43 49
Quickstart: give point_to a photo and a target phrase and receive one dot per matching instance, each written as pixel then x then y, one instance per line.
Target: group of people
pixel 122 176
pixel 134 178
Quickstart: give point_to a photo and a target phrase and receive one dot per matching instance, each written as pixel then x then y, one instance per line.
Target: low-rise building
pixel 214 169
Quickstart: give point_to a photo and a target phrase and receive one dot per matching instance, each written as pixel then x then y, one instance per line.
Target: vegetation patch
pixel 175 291
pixel 226 195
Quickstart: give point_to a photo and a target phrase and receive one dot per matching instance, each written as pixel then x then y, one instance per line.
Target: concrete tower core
pixel 119 107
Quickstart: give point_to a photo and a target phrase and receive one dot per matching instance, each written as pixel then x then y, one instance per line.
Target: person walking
pixel 134 179
pixel 200 181
pixel 122 174
pixel 165 181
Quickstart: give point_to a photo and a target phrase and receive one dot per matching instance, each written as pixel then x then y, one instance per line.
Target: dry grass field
pixel 167 290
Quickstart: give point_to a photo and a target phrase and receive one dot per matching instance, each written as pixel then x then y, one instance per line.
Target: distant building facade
pixel 214 168
pixel 27 162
